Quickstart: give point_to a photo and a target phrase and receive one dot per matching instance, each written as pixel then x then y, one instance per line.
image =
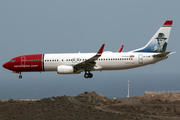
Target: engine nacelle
pixel 65 69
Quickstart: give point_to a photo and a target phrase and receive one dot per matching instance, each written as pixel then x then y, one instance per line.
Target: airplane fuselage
pixel 107 61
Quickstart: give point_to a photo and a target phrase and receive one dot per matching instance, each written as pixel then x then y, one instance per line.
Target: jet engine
pixel 65 69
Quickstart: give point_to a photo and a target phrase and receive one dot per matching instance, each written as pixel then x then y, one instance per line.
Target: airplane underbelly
pixel 50 67
pixel 118 65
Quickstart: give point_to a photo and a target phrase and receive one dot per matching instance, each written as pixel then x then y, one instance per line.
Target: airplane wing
pixel 90 63
pixel 162 54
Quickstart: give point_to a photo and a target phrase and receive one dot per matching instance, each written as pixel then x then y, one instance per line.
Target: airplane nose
pixel 5 65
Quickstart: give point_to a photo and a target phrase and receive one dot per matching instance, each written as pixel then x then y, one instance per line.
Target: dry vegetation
pixel 92 106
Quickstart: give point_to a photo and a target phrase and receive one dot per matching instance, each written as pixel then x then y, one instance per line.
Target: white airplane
pixel 75 63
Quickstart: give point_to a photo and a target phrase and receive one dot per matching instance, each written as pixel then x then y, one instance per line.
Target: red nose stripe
pixel 32 62
pixel 26 63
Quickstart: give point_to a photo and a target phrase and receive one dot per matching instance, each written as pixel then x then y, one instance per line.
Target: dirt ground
pixel 92 106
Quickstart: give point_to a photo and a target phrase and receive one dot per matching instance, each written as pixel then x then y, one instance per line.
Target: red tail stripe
pixel 168 22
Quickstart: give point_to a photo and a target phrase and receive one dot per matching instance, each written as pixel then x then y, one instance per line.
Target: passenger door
pixel 140 59
pixel 23 61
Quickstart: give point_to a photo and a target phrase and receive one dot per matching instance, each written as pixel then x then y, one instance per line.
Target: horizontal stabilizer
pixel 162 54
pixel 172 52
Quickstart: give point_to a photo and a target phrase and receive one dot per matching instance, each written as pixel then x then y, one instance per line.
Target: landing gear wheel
pixel 86 75
pixel 20 76
pixel 90 75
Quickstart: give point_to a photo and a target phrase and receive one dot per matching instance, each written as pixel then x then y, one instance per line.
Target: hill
pixel 92 106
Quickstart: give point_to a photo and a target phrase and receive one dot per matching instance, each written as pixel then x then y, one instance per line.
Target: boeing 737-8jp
pixel 75 63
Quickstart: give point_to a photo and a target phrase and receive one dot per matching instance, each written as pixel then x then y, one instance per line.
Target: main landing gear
pixel 88 74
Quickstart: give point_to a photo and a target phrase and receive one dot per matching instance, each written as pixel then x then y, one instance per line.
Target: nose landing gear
pixel 20 76
pixel 18 72
pixel 88 75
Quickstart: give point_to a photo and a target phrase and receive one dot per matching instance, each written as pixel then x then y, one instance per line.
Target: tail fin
pixel 158 42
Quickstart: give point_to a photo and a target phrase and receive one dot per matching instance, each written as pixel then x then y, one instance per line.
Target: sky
pixel 43 26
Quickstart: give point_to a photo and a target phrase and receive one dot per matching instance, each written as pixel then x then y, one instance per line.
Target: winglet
pixel 120 50
pixel 101 49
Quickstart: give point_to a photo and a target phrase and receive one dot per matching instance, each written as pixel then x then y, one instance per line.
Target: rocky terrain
pixel 92 106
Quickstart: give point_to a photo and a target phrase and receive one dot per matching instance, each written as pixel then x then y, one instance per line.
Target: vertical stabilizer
pixel 158 42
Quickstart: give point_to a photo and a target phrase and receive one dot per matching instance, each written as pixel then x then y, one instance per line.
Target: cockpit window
pixel 12 60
